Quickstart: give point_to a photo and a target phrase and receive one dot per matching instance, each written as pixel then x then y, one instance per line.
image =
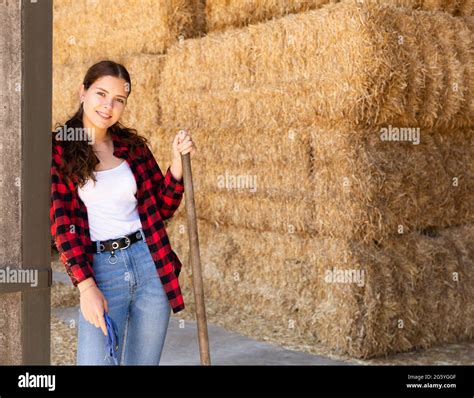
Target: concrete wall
pixel 10 127
pixel 25 157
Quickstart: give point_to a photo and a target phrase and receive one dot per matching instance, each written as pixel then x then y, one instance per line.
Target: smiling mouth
pixel 103 115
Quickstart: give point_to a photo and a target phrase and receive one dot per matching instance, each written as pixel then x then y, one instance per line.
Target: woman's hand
pixel 182 144
pixel 93 304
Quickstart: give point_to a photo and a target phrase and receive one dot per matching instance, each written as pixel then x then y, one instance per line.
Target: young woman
pixel 108 202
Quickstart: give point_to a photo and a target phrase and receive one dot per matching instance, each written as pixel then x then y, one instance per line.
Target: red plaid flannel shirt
pixel 158 198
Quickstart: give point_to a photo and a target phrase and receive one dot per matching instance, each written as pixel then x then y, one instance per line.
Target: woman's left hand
pixel 182 144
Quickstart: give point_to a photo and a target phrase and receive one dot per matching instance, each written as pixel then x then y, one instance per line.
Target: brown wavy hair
pixel 79 160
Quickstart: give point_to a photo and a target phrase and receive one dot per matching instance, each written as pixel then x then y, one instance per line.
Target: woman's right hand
pixel 93 304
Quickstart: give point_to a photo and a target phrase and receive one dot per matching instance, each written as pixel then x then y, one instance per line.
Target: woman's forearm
pixel 176 169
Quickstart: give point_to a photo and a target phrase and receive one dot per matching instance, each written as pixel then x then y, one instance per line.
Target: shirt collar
pixel 120 147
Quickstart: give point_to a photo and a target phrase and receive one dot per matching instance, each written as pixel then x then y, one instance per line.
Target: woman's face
pixel 104 101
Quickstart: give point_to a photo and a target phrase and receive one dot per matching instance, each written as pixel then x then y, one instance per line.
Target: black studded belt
pixel 121 242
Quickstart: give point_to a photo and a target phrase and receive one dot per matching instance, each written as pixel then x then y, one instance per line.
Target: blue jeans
pixel 137 303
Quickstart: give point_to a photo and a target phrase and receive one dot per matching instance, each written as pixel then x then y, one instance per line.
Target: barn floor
pixel 228 347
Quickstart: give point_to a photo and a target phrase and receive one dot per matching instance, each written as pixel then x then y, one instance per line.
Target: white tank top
pixel 111 204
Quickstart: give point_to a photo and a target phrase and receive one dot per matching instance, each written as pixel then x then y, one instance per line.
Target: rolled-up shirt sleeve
pixel 72 253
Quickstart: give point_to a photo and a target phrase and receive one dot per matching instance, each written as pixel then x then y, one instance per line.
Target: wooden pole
pixel 195 259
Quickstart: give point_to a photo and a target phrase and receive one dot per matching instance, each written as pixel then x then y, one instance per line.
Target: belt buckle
pixel 127 240
pixel 115 244
pixel 115 247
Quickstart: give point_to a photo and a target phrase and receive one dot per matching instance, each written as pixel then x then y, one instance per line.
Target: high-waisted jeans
pixel 137 303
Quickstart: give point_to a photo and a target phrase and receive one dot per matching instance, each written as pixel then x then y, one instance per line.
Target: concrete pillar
pixel 25 153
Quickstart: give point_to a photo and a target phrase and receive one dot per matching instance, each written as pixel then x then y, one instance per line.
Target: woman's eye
pixel 103 94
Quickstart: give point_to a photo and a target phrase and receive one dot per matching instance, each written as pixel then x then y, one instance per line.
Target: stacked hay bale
pixel 84 29
pixel 315 215
pixel 136 34
pixel 224 14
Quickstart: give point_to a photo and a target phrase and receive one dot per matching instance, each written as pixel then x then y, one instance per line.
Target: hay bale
pixel 224 14
pixel 352 63
pixel 67 80
pixel 142 111
pixel 455 7
pixel 369 189
pixel 261 179
pixel 258 212
pixel 160 141
pixel 85 29
pixel 356 185
pixel 415 291
pixel 247 144
pixel 248 160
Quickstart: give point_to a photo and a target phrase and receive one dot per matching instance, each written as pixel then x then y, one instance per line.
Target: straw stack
pixel 328 66
pixel 346 184
pixel 369 190
pixel 84 29
pixel 296 108
pixel 224 14
pixel 67 80
pixel 409 292
pixel 340 177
